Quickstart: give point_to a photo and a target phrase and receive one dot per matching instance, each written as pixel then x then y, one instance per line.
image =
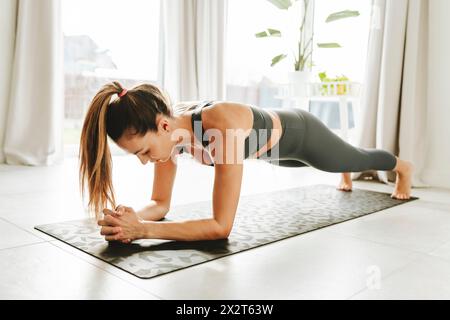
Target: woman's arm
pixel 190 230
pixel 164 177
pixel 227 187
pixel 227 184
pixel 153 212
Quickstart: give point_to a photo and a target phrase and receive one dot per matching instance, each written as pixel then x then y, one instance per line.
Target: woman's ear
pixel 165 125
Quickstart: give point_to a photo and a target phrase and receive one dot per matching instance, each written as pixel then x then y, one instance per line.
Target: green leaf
pixel 329 45
pixel 268 33
pixel 281 4
pixel 277 59
pixel 274 32
pixel 342 15
pixel 322 75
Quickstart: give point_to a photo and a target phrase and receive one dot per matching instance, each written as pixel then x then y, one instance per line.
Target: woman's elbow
pixel 222 233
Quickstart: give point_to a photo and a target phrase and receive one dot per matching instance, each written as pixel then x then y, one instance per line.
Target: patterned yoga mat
pixel 260 219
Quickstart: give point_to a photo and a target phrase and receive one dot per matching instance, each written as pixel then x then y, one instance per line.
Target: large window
pixel 251 79
pixel 105 40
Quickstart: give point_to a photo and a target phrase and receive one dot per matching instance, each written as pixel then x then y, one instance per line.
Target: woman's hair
pixel 135 112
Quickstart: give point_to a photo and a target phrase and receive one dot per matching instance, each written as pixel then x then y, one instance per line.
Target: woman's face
pixel 153 146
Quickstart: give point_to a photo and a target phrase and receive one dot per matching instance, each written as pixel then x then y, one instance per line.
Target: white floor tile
pixel 12 236
pixel 31 209
pixel 418 226
pixel 425 278
pixel 43 271
pixel 442 251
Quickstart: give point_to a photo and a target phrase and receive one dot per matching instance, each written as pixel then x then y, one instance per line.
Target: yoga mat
pixel 260 219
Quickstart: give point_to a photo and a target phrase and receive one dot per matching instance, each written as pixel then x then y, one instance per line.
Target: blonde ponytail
pixel 95 156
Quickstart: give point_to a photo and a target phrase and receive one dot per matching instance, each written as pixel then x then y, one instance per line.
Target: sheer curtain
pixel 31 82
pixel 394 100
pixel 192 49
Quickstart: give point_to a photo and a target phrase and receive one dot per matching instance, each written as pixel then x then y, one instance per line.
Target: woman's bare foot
pixel 346 182
pixel 404 171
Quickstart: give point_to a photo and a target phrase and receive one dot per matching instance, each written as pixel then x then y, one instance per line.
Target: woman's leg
pixel 346 182
pixel 402 184
pixel 325 150
pixel 404 171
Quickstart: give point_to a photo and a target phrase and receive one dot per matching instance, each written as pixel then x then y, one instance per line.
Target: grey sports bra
pixel 261 120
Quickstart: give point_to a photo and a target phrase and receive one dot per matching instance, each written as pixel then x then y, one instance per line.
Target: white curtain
pixel 31 82
pixel 394 99
pixel 192 55
pixel 437 168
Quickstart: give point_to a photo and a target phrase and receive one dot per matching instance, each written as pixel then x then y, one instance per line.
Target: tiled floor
pixel 401 253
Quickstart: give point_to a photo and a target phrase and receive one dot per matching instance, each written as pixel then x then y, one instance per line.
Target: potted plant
pixel 337 85
pixel 303 57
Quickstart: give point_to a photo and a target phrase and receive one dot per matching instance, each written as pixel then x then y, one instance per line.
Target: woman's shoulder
pixel 227 114
pixel 225 107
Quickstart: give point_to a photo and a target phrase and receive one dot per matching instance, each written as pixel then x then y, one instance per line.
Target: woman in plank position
pixel 221 134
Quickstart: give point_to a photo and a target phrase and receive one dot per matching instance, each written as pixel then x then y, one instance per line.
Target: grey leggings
pixel 307 141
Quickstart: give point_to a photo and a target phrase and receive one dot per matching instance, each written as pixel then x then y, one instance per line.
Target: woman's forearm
pixel 153 211
pixel 190 230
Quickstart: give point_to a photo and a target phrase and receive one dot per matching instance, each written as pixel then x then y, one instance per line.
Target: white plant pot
pixel 298 81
